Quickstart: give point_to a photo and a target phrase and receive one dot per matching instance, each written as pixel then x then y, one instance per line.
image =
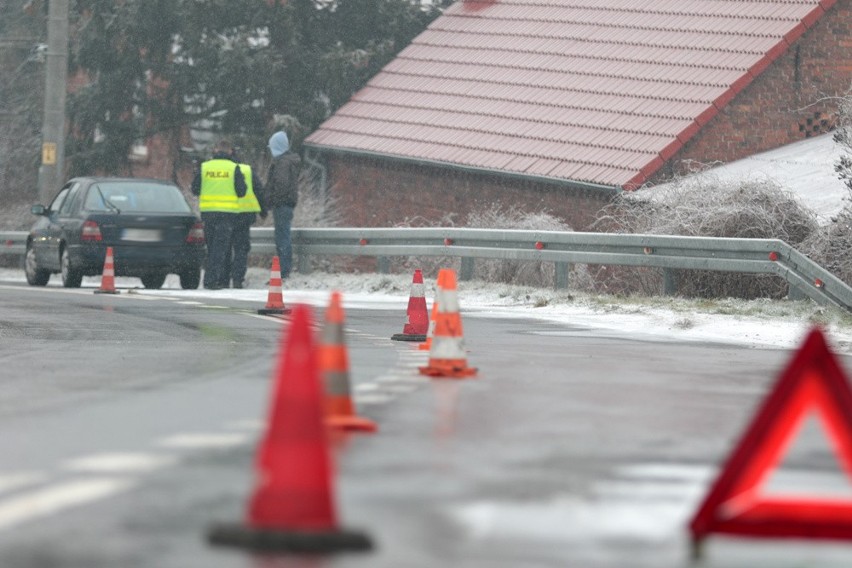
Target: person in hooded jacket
pixel 282 194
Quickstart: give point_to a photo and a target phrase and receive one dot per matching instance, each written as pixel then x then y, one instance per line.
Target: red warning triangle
pixel 813 383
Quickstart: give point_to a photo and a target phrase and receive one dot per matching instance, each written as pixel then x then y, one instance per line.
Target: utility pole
pixel 55 89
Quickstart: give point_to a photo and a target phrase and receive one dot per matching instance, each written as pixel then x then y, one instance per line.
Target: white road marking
pixel 399 389
pixel 12 481
pixel 671 471
pixel 136 294
pixel 366 387
pixel 657 482
pixel 55 498
pixel 190 303
pixel 372 398
pixel 120 463
pixel 198 441
pixel 358 332
pixel 647 490
pixel 54 289
pixel 277 319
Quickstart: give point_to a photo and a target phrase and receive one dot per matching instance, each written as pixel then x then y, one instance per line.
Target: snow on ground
pixel 755 324
pixel 806 168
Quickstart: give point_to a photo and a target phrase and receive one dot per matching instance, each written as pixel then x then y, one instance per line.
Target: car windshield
pixel 136 197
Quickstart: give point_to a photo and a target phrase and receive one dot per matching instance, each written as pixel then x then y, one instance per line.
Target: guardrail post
pixel 562 270
pixel 795 294
pixel 382 264
pixel 304 263
pixel 669 282
pixel 467 267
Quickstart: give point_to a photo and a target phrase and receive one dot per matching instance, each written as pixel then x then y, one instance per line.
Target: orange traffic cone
pixel 428 344
pixel 275 299
pixel 292 508
pixel 417 317
pixel 108 278
pixel 447 357
pixel 334 365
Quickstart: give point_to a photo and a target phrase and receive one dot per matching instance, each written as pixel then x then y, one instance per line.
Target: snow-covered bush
pixel 529 273
pixel 705 206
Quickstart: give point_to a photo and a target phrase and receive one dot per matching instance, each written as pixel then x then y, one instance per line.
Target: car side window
pixel 57 202
pixel 71 202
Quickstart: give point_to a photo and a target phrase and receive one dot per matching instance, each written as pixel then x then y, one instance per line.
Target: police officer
pixel 219 185
pixel 249 206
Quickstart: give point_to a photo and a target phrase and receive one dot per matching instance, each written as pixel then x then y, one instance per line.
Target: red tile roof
pixel 595 92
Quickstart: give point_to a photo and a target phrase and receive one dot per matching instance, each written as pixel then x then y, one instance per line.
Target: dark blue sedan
pixel 148 223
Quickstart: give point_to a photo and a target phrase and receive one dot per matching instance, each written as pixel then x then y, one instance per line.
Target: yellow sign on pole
pixel 48 153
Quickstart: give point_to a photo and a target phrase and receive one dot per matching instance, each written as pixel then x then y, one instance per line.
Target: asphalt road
pixel 128 424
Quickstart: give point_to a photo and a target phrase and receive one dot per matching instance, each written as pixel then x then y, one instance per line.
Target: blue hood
pixel 278 144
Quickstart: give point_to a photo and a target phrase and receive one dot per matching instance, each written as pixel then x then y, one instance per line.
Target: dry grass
pixel 497 216
pixel 511 271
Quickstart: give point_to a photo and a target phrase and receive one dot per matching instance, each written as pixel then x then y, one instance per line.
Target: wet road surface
pixel 128 424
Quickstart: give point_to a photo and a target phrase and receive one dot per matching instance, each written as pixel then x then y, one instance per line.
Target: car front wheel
pixel 71 277
pixel 35 276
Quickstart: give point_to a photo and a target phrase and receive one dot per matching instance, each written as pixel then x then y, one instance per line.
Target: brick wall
pixel 158 163
pixel 375 193
pixel 790 101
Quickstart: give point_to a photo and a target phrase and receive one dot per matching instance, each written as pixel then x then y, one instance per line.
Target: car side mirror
pixel 38 209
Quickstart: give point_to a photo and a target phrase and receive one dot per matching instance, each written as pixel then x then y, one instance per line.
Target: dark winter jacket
pixel 282 182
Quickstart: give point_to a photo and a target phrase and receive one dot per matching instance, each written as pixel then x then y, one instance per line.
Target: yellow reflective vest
pixel 248 203
pixel 218 192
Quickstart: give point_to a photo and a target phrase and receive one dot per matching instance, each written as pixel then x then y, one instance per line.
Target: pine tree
pixel 240 66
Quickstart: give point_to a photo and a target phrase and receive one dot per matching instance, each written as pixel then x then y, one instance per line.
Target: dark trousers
pixel 218 232
pixel 283 215
pixel 241 246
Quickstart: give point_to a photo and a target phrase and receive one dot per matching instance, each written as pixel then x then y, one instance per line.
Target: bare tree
pixel 21 88
pixel 843 137
pixel 831 245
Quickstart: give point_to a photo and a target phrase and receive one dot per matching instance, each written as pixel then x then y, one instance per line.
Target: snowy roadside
pixel 755 324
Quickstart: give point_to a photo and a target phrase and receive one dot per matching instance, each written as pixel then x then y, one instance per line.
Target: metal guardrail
pixel 13 242
pixel 669 253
